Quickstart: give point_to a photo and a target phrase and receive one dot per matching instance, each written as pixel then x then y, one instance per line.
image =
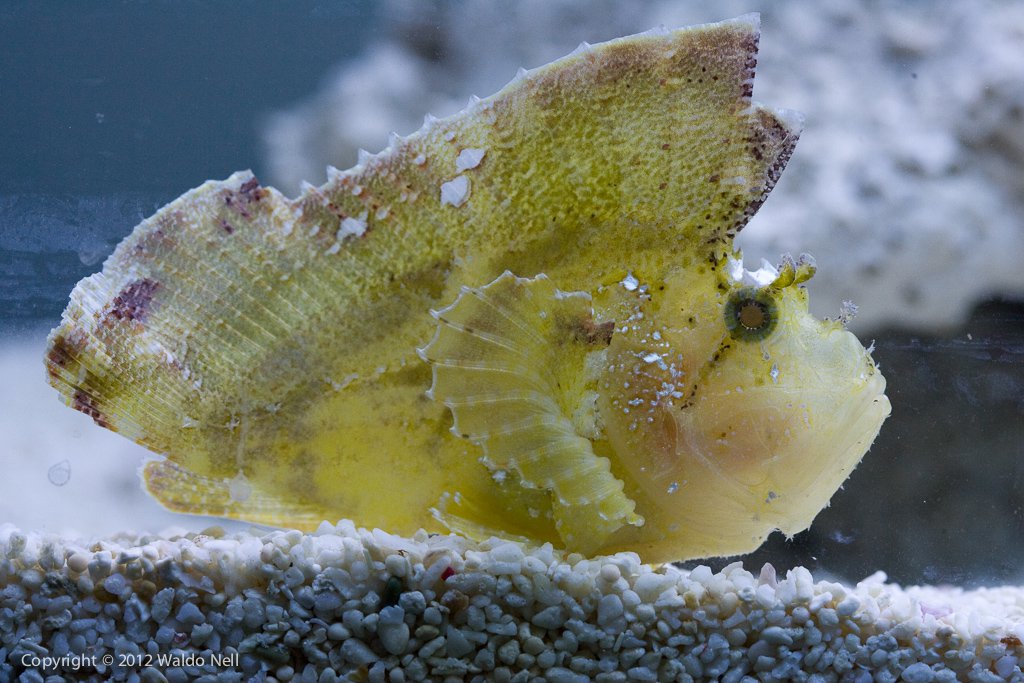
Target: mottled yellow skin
pixel 278 352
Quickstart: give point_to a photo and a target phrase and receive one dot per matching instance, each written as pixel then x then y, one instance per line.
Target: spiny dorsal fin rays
pixel 725 56
pixel 522 422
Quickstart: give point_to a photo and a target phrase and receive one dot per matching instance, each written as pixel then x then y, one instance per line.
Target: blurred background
pixel 907 186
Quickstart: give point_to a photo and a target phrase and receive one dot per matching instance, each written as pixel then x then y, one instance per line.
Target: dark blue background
pixel 108 110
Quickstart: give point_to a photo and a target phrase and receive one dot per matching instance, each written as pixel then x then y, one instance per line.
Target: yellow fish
pixel 528 319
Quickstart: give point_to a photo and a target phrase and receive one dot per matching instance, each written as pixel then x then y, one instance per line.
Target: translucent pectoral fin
pixel 180 490
pixel 509 359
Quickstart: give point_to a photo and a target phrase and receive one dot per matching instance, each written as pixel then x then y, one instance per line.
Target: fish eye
pixel 750 314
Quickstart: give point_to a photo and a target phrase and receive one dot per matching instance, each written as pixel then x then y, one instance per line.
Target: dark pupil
pixel 752 315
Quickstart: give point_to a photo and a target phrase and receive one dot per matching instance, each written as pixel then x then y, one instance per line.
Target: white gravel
pixel 348 604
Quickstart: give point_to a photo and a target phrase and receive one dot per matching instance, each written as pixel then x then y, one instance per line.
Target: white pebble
pixel 392 630
pixel 918 673
pixel 610 572
pixel 608 609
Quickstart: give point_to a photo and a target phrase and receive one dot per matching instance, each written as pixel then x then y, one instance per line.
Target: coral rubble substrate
pixel 348 604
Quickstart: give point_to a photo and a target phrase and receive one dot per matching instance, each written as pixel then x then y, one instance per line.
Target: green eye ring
pixel 750 314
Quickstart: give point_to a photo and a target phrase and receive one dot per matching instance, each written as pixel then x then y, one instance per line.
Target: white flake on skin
pixel 353 227
pixel 469 158
pixel 630 282
pixel 455 191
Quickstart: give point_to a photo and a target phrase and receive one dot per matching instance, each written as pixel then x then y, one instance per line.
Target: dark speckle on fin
pixel 132 303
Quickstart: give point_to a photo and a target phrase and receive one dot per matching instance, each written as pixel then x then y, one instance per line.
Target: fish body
pixel 528 319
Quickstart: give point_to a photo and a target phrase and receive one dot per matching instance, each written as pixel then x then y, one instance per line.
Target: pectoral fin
pixel 510 361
